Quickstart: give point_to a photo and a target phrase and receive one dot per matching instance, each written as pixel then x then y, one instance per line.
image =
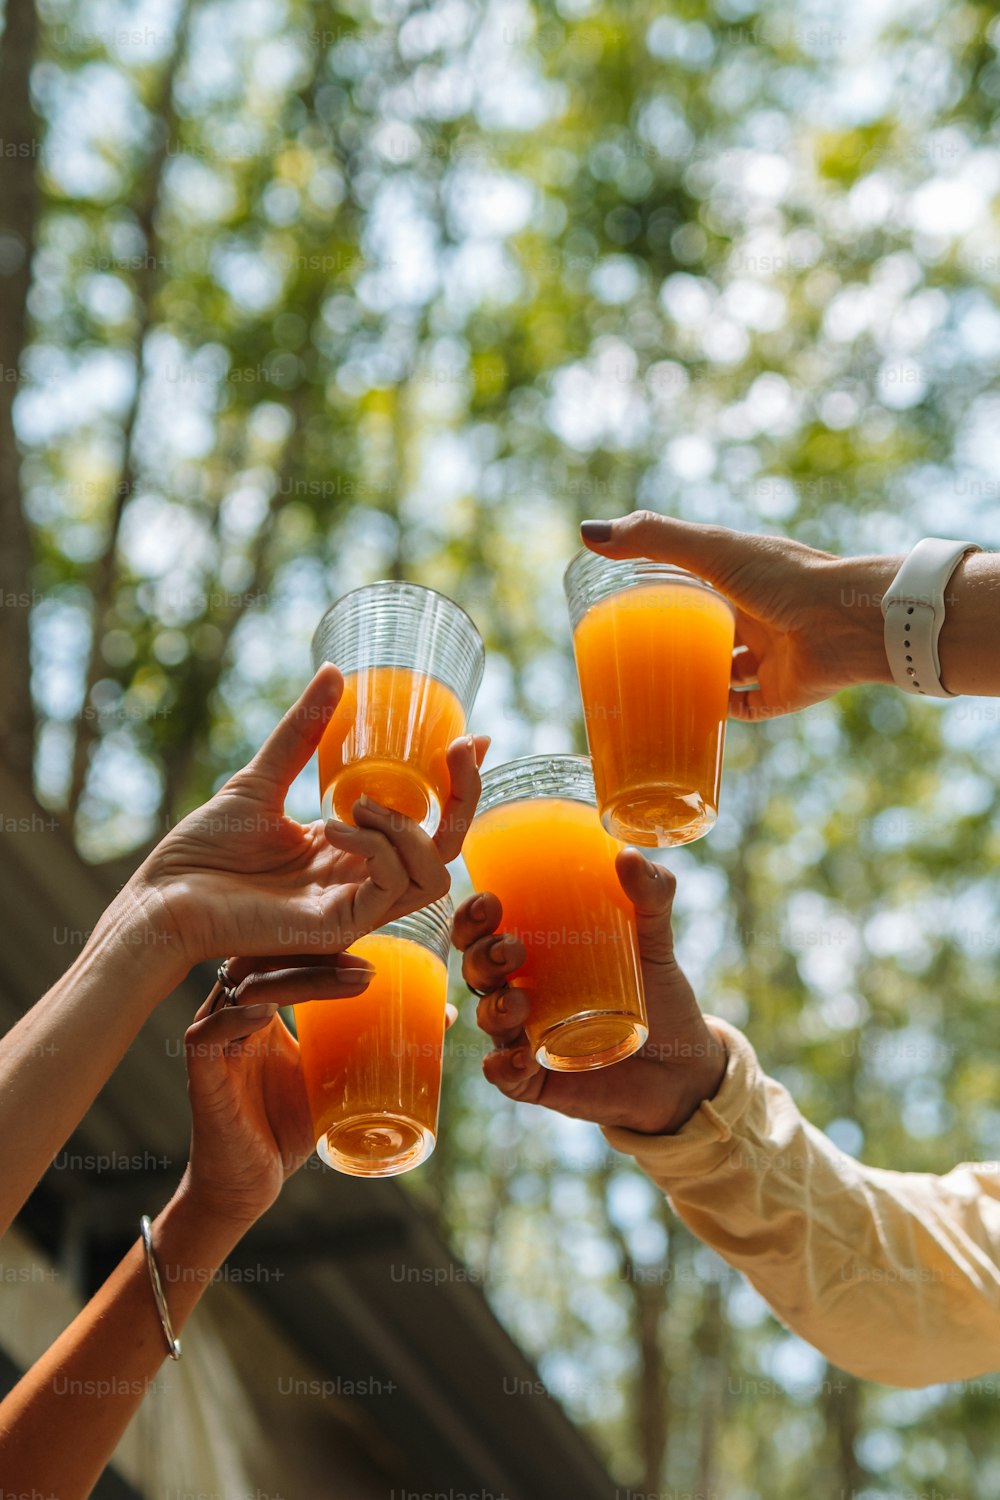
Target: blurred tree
pixel 298 295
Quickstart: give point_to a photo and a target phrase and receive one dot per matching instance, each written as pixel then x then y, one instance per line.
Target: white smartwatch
pixel 913 610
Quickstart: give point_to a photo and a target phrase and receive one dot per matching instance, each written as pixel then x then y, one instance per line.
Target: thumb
pixel 651 889
pixel 720 556
pixel 209 1041
pixel 290 745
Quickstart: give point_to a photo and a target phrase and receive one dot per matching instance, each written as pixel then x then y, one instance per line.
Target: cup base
pixel 388 782
pixel 592 1039
pixel 377 1144
pixel 658 817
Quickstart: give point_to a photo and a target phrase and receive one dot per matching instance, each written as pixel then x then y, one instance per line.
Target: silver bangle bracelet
pixel 173 1344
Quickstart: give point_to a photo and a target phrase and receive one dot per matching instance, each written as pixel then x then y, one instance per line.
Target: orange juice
pixel 654 663
pixel 388 738
pixel 552 865
pixel 372 1064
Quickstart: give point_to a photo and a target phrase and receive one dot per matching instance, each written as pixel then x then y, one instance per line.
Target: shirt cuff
pixel 712 1133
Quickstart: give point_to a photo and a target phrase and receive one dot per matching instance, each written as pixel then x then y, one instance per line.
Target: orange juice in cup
pixel 412 662
pixel 538 844
pixel 654 648
pixel 372 1063
pixel 388 738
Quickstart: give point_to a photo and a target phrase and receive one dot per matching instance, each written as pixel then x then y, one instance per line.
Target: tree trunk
pixel 18 214
pixel 712 1339
pixel 146 278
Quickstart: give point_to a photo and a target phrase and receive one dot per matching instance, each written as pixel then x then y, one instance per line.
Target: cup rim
pixel 400 583
pixel 680 575
pixel 437 916
pixel 539 761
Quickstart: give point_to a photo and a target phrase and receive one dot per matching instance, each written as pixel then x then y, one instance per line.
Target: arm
pixel 895 1276
pixel 66 1047
pixel 810 623
pixel 63 1420
pixel 236 876
pixel 251 1131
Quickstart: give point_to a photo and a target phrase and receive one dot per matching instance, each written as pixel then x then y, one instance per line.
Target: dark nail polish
pixel 596 531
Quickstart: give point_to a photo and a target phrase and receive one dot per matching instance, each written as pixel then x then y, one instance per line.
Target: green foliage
pixel 329 294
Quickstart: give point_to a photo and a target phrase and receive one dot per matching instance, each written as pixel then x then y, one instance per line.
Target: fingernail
pixel 371 804
pixel 477 909
pixel 497 950
pixel 596 531
pixel 358 966
pixel 341 830
pixel 258 1012
pixel 501 1005
pixel 520 1059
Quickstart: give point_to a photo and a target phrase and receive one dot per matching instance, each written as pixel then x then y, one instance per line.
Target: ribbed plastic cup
pixel 412 661
pixel 372 1064
pixel 537 843
pixel 654 651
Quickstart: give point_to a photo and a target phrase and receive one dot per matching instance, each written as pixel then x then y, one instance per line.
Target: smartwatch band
pixel 913 608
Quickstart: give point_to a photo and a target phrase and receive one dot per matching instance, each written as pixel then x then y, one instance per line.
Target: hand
pixel 654 1091
pixel 807 623
pixel 240 876
pixel 251 1128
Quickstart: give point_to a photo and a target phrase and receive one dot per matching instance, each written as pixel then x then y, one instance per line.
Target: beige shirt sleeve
pixel 894 1276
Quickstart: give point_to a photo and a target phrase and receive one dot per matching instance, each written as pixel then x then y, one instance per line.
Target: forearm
pixel 57 1058
pixel 61 1423
pixel 968 643
pixel 893 1276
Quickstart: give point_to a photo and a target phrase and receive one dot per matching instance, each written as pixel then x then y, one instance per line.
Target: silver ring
pixel 228 987
pixel 223 991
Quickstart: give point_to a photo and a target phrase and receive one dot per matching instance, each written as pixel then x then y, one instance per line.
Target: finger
pixel 712 552
pixel 750 706
pixel 387 880
pixel 464 758
pixel 300 986
pixel 651 889
pixel 745 668
pixel 474 918
pixel 415 848
pixel 515 1073
pixel 387 877
pixel 206 1041
pixel 290 745
pixel 502 1014
pixel 239 968
pixel 487 962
